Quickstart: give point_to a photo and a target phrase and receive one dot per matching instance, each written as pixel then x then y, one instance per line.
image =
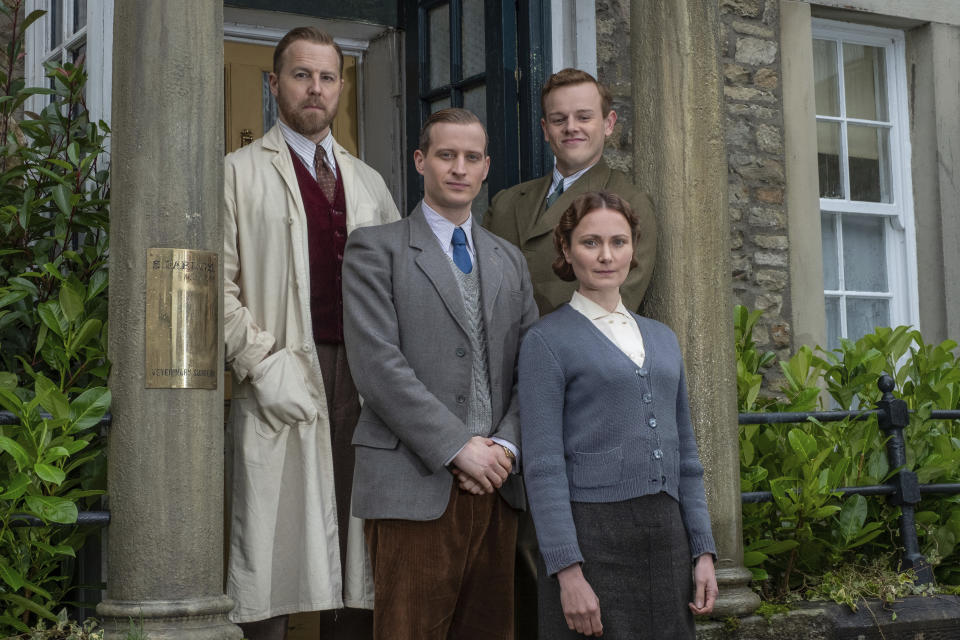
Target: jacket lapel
pixel 283 162
pixel 491 270
pixel 348 175
pixel 434 263
pixel 533 200
pixel 593 180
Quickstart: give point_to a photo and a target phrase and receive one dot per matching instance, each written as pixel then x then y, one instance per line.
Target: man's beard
pixel 306 123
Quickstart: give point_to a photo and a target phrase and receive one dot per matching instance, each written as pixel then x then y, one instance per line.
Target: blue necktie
pixel 461 257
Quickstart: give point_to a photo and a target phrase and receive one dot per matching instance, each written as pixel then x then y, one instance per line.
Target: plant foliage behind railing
pixel 809 528
pixel 53 323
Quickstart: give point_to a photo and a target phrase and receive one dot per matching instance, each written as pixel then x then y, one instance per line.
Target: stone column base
pixel 736 596
pixel 195 619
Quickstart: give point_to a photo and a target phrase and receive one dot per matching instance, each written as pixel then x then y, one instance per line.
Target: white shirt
pixel 618 325
pixel 568 181
pixel 306 149
pixel 443 230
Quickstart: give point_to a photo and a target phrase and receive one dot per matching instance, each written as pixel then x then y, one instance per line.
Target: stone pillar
pixel 680 159
pixel 165 566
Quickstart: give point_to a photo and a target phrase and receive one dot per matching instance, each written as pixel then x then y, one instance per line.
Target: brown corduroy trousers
pixel 445 579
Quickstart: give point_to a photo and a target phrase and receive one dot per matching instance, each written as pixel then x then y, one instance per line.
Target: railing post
pixel 894 418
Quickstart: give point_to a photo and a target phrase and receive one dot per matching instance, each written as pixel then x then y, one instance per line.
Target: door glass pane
pixel 828 159
pixel 475 100
pixel 473 34
pixel 78 52
pixel 443 103
pixel 864 253
pixel 864 82
pixel 869 167
pixel 79 14
pixel 56 24
pixel 438 23
pixel 833 321
pixel 831 260
pixel 826 90
pixel 864 315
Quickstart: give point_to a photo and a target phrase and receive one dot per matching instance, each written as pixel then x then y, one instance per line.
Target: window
pixel 866 213
pixel 71 30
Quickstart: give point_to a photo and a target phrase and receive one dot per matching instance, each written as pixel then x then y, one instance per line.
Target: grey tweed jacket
pixel 407 342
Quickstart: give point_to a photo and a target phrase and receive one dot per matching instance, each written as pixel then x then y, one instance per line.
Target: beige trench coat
pixel 284 549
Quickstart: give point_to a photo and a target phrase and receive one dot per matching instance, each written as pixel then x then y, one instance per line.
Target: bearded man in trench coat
pixel 291 198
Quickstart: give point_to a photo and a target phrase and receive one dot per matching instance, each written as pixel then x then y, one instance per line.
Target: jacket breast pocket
pixel 597 469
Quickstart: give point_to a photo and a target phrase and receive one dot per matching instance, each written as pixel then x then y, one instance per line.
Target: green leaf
pixel 51 398
pixel 89 330
pixel 98 282
pixel 61 195
pixel 15 623
pixel 49 473
pixel 8 380
pixel 53 509
pixel 13 296
pixel 73 153
pixel 71 301
pixel 30 19
pixel 753 558
pixel 852 516
pixel 803 443
pixel 18 453
pixel 18 485
pixel 29 605
pixel 89 407
pixel 10 575
pixel 52 316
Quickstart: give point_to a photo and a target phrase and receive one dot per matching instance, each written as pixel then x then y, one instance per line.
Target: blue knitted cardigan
pixel 595 427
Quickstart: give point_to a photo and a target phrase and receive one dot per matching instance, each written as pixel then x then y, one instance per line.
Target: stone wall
pixel 750 56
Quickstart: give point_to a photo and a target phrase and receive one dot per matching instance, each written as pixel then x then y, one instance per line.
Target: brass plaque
pixel 183 288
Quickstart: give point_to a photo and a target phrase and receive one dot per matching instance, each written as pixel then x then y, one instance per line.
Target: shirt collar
pixel 305 148
pixel 569 180
pixel 443 228
pixel 592 310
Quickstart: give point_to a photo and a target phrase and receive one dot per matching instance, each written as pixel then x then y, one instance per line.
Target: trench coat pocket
pixel 597 469
pixel 281 392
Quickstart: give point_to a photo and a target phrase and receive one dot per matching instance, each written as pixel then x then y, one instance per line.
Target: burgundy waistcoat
pixel 326 236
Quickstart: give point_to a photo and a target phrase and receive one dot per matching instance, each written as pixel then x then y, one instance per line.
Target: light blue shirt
pixel 306 149
pixel 568 181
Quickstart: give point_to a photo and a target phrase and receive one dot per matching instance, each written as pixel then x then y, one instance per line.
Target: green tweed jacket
pixel 519 215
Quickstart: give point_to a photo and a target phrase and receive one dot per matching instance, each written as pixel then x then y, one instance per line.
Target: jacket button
pixel 461 352
pixel 652 422
pixel 657 454
pixel 663 479
pixel 647 398
pixel 461 399
pixel 642 372
pixel 306 348
pixel 290 220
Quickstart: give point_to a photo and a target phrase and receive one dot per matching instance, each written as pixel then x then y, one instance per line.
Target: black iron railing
pixel 903 489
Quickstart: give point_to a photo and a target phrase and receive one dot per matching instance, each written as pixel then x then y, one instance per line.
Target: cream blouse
pixel 618 326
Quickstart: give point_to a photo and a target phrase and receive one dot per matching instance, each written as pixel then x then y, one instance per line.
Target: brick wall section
pixel 750 59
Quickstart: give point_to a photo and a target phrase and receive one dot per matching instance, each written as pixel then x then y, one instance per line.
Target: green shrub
pixel 53 312
pixel 809 529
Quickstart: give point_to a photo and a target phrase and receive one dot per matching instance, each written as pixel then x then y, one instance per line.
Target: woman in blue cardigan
pixel 613 476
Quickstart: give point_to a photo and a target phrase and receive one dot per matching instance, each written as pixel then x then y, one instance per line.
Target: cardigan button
pixel 652 422
pixel 657 454
pixel 647 398
pixel 461 352
pixel 461 399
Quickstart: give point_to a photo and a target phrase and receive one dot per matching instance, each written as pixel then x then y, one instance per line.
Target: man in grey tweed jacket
pixel 434 310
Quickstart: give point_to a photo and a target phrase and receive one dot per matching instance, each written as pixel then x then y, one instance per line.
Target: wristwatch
pixel 509 453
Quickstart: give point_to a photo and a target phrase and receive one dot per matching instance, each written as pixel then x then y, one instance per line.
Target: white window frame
pixel 573 35
pixel 97 34
pixel 900 232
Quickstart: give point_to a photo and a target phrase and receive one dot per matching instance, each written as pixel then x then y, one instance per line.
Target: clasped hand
pixel 481 466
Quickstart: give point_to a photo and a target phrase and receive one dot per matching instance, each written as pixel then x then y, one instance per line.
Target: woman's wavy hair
pixel 580 207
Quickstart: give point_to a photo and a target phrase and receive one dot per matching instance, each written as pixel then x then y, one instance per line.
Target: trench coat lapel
pixel 283 163
pixel 593 180
pixel 348 175
pixel 436 266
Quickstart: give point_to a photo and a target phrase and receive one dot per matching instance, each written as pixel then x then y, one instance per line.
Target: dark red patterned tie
pixel 325 177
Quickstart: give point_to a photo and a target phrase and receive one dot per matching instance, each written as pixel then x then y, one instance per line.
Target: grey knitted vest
pixel 479 413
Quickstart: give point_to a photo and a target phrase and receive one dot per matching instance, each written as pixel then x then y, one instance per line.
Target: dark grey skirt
pixel 637 559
